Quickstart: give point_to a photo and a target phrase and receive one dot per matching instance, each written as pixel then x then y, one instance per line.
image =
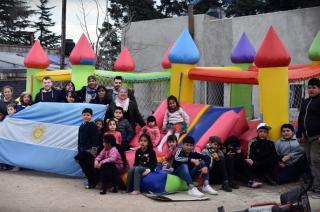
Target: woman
pixel 69 87
pixel 130 108
pixel 101 96
pixel 7 99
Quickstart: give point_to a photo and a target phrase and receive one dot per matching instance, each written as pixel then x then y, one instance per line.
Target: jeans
pixel 189 175
pixel 109 174
pixel 134 178
pixel 312 149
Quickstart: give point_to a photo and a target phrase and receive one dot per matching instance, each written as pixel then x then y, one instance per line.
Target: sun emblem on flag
pixel 37 133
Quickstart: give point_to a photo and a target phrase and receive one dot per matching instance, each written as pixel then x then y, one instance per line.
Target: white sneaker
pixel 159 148
pixel 194 192
pixel 209 190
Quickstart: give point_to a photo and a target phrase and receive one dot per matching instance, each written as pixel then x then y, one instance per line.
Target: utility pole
pixel 191 20
pixel 63 33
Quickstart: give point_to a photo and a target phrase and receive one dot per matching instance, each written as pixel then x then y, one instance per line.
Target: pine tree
pixel 47 38
pixel 14 16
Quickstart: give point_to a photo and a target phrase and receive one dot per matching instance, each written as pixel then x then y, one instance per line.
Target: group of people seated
pixel 102 144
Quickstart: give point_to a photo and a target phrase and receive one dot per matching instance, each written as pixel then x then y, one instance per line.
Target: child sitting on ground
pixel 293 162
pixel 111 162
pixel 175 121
pixel 124 128
pixel 112 126
pixel 218 163
pixel 263 157
pixel 189 165
pixel 145 161
pixel 172 149
pixel 152 130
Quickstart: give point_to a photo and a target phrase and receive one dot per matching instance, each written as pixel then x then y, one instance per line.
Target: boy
pixel 88 92
pixel 292 159
pixel 88 143
pixel 124 128
pixel 188 165
pixel 11 109
pixel 219 163
pixel 262 155
pixel 309 129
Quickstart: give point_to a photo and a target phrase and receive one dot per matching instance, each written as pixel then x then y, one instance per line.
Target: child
pixel 175 121
pixel 188 165
pixel 218 163
pixel 152 130
pixel 25 101
pixel 2 115
pixel 124 128
pixel 112 126
pixel 236 165
pixel 100 127
pixel 70 97
pixel 145 161
pixel 262 155
pixel 7 99
pixel 172 142
pixel 88 143
pixel 111 162
pixel 11 109
pixel 292 159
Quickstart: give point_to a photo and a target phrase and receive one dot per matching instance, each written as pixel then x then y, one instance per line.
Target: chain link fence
pixel 148 93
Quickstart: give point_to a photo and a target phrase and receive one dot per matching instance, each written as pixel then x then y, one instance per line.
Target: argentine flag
pixel 44 137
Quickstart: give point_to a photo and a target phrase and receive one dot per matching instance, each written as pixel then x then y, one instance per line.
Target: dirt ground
pixel 34 191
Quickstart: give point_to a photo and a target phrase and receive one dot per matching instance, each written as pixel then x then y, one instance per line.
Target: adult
pixel 69 87
pixel 88 92
pixel 25 101
pixel 101 96
pixel 7 99
pixel 47 92
pixel 130 108
pixel 309 129
pixel 117 84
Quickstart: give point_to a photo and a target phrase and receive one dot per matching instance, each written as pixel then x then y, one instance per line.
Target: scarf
pixel 90 93
pixel 122 103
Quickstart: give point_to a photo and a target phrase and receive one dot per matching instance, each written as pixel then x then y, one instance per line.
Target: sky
pixel 73 26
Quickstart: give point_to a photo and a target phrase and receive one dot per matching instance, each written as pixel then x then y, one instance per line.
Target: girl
pixel 172 149
pixel 145 161
pixel 25 101
pixel 112 126
pixel 100 127
pixel 102 96
pixel 7 99
pixel 111 162
pixel 69 87
pixel 175 121
pixel 152 130
pixel 70 97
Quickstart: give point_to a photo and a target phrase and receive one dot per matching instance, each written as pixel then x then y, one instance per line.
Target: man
pixel 47 92
pixel 309 129
pixel 88 92
pixel 117 84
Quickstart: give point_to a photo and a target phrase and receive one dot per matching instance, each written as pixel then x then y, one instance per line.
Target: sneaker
pixel 254 184
pixel 209 190
pixel 194 192
pixel 234 185
pixel 226 187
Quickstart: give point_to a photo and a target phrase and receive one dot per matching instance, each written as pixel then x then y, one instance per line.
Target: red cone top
pixel 166 64
pixel 82 52
pixel 272 52
pixel 125 61
pixel 36 57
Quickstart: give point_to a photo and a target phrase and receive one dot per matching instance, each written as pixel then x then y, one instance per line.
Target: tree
pixel 171 8
pixel 14 16
pixel 47 38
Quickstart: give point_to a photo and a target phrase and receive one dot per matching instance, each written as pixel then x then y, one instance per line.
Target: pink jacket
pixel 117 135
pixel 154 134
pixel 111 156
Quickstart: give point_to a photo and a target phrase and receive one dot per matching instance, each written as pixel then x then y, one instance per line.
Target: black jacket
pixel 309 117
pixel 146 159
pixel 81 94
pixel 105 101
pixel 3 106
pixel 88 136
pixel 132 115
pixel 263 152
pixel 52 96
pixel 181 157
